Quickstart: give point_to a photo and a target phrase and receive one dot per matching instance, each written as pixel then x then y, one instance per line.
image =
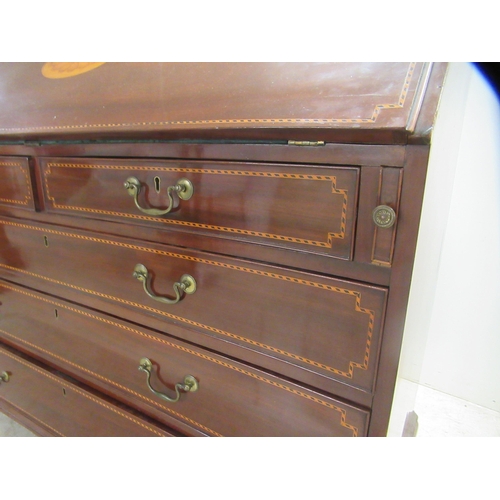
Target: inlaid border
pixel 29 196
pixel 22 411
pixel 343 413
pixel 241 173
pixel 78 391
pixel 253 121
pixel 356 295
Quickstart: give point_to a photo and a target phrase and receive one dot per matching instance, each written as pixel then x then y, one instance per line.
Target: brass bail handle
pixel 183 188
pixel 4 377
pixel 186 284
pixel 190 384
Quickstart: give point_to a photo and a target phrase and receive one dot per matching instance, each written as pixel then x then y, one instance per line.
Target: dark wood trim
pixel 399 288
pixel 426 117
pixel 329 154
pixel 262 240
pixel 24 420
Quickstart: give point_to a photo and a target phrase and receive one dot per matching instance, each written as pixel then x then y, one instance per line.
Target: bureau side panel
pixel 415 172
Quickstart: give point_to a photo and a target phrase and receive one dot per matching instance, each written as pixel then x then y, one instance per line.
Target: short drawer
pixel 15 187
pixel 303 322
pixel 59 407
pixel 231 398
pixel 301 208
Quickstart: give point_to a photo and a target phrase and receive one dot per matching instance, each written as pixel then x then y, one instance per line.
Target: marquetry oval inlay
pixel 67 69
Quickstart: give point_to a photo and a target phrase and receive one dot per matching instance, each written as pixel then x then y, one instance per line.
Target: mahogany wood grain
pixel 328 154
pixel 233 399
pixel 335 102
pixel 336 154
pixel 62 408
pixel 404 255
pixel 340 268
pixel 16 183
pixel 280 336
pixel 379 186
pixel 425 118
pixel 16 414
pixel 369 194
pixel 255 251
pixel 389 194
pixel 303 209
pixel 263 308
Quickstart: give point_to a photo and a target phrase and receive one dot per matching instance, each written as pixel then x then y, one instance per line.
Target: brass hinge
pixel 306 143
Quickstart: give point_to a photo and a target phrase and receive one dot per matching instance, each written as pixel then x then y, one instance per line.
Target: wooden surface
pixel 46 399
pixel 335 102
pixel 278 306
pixel 105 353
pixel 16 183
pixel 296 324
pixel 301 208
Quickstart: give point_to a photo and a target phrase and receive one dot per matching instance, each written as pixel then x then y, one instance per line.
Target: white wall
pixel 463 348
pixel 452 334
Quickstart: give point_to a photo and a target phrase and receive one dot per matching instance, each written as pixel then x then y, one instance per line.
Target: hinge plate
pixel 306 143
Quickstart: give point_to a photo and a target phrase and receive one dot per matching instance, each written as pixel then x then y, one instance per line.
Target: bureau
pixel 208 249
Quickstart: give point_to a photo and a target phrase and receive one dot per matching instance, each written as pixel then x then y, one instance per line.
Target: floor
pixel 434 414
pixel 424 412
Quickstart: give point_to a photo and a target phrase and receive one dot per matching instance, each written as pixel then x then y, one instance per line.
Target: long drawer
pixel 231 398
pixel 58 407
pixel 311 323
pixel 300 208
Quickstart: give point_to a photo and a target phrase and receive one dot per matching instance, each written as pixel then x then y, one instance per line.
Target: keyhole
pixel 46 241
pixel 64 392
pixel 157 184
pixel 56 312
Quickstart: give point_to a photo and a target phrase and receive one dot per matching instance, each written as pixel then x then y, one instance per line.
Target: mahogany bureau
pixel 208 249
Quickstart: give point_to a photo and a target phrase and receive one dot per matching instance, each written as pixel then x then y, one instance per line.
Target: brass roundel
pixel 384 216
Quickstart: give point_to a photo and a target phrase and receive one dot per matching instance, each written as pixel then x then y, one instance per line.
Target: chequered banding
pixel 28 197
pixel 303 177
pixel 344 291
pixel 163 341
pixel 240 121
pixel 82 393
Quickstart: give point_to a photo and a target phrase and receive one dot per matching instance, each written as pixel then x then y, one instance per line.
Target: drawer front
pixel 61 407
pixel 312 323
pixel 232 399
pixel 15 188
pixel 300 208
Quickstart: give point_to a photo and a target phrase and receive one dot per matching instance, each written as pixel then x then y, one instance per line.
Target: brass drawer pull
pixel 186 284
pixel 4 377
pixel 183 188
pixel 190 384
